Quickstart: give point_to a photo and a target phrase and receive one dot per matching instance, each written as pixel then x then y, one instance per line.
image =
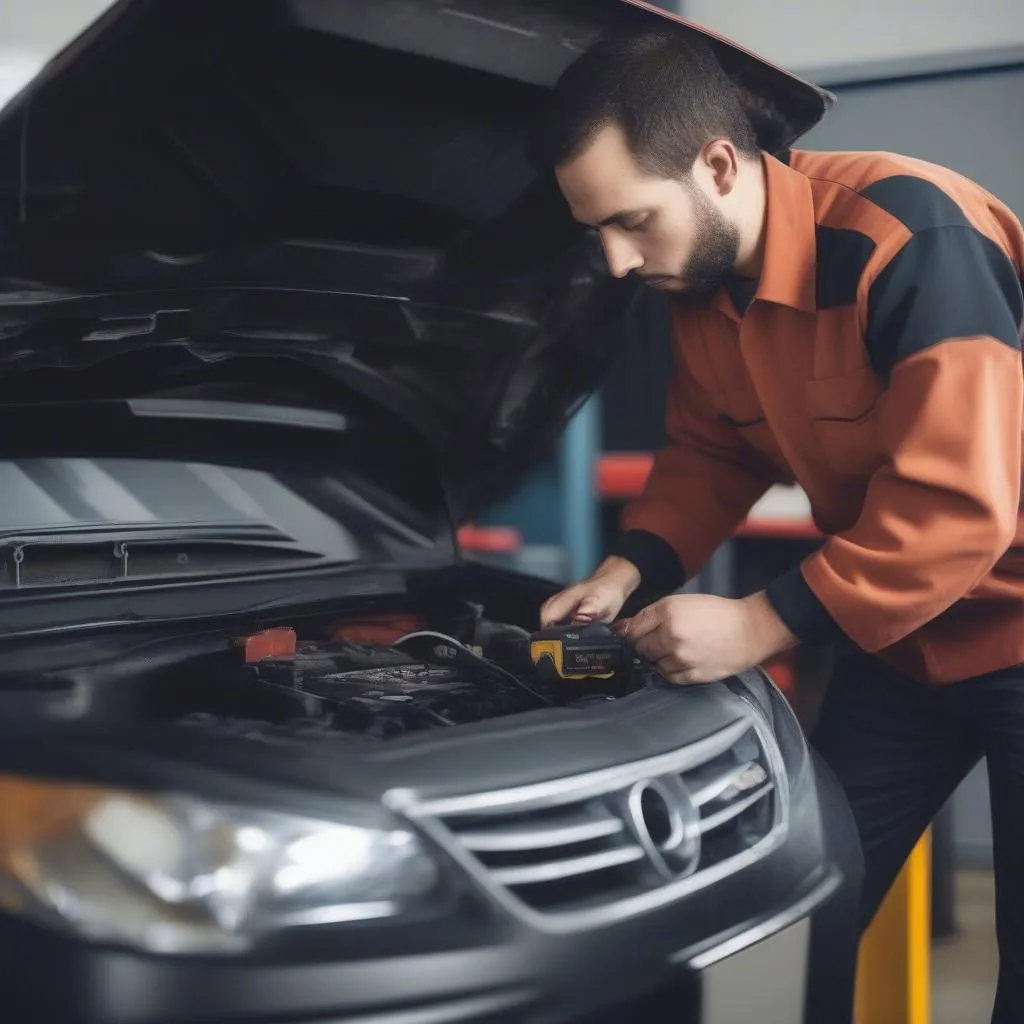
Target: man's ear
pixel 720 162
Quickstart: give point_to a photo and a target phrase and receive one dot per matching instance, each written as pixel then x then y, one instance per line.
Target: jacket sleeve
pixel 701 487
pixel 943 324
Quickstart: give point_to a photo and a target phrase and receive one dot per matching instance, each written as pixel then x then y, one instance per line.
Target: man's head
pixel 651 146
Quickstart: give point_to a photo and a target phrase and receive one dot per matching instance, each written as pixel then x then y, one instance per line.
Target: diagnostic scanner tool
pixel 579 651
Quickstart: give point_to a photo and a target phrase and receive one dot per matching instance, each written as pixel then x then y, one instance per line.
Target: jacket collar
pixel 788 274
pixel 790 249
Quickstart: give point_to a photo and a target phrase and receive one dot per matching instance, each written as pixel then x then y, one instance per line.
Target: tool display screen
pixel 589 659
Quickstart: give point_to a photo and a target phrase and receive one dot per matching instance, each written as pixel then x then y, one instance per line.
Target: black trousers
pixel 898 750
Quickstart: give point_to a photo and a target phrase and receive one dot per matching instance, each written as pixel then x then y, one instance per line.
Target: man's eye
pixel 636 223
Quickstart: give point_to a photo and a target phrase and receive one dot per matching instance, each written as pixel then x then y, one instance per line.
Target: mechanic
pixel 850 322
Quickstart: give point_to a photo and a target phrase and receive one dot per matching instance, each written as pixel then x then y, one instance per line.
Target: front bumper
pixel 755 972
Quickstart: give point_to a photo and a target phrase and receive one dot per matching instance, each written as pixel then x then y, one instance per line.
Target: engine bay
pixel 370 681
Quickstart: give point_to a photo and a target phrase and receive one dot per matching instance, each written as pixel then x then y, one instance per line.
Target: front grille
pixel 610 843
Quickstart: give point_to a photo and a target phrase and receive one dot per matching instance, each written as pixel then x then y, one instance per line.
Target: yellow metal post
pixel 894 968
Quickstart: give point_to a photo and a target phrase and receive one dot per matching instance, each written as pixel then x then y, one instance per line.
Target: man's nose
pixel 621 254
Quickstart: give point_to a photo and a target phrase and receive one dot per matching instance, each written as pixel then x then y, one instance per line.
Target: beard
pixel 716 250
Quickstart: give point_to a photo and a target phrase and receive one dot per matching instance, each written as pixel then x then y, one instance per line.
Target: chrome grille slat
pixel 733 810
pixel 717 786
pixel 553 871
pixel 510 838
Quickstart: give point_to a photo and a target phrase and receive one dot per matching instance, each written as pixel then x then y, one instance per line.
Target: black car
pixel 283 301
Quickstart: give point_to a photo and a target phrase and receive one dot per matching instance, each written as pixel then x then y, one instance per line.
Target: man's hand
pixel 599 598
pixel 695 638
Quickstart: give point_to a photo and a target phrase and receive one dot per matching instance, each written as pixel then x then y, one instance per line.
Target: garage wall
pixel 835 39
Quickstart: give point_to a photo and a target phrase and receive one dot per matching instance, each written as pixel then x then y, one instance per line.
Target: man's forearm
pixel 769 634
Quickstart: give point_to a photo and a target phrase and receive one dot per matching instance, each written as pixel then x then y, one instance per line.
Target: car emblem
pixel 666 823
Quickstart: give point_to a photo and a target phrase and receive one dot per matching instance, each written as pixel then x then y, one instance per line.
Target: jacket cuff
pixel 656 560
pixel 800 609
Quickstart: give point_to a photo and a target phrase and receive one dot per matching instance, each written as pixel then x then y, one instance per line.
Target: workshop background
pixel 933 79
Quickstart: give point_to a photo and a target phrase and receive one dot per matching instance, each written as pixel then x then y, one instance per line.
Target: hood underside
pixel 341 184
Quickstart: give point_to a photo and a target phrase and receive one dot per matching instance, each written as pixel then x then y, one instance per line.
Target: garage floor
pixel 964 967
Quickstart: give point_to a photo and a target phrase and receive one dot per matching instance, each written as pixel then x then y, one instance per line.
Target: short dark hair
pixel 665 89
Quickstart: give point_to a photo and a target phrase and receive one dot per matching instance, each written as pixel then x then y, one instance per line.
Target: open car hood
pixel 336 183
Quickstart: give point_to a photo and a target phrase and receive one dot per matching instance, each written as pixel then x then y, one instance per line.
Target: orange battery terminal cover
pixel 371 630
pixel 270 643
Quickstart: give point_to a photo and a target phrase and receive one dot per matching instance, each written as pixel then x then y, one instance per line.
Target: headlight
pixel 177 874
